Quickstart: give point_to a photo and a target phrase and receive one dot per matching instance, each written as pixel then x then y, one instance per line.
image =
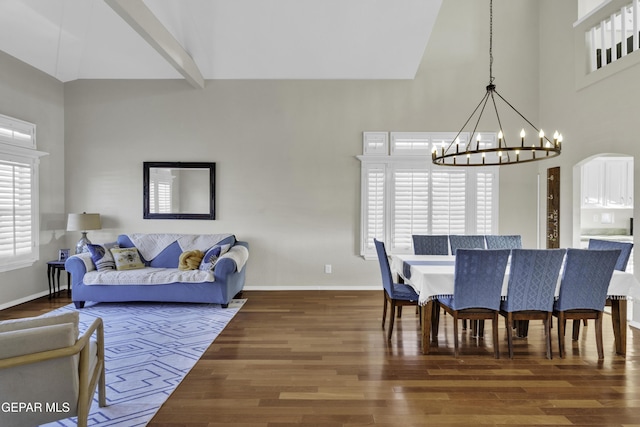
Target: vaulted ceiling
pixel 219 39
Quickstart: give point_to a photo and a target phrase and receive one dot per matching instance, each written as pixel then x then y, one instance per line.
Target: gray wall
pixel 288 177
pixel 30 95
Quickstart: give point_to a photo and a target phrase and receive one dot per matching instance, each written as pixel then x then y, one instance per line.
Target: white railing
pixel 614 35
pixel 607 40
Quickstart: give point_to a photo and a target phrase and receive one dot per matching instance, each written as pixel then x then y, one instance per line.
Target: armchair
pixel 47 372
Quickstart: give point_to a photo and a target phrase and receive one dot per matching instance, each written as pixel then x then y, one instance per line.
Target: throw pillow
pixel 101 257
pixel 190 260
pixel 211 257
pixel 127 258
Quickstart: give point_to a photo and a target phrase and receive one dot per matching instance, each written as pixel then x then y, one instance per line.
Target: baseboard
pixel 312 288
pixel 23 300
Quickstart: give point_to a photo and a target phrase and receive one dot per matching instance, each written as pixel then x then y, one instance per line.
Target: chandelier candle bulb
pixel 500 139
pixel 517 155
pixel 541 138
pixel 522 135
pixel 483 154
pixel 478 142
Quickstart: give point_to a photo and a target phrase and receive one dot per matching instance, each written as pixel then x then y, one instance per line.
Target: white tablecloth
pixel 432 276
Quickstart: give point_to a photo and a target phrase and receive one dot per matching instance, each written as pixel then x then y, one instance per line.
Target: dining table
pixel 432 276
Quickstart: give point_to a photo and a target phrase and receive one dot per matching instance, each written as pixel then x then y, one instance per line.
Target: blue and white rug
pixel 149 348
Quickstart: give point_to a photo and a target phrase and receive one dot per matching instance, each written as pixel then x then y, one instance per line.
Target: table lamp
pixel 83 222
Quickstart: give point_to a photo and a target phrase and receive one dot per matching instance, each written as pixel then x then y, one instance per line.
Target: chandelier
pixel 474 150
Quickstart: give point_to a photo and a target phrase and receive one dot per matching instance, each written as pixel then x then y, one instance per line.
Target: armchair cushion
pixel 32 322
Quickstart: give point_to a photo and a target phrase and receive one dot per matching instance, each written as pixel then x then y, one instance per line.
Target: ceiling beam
pixel 145 23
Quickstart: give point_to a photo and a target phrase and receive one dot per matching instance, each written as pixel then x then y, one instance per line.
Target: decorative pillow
pixel 101 257
pixel 190 260
pixel 211 257
pixel 127 258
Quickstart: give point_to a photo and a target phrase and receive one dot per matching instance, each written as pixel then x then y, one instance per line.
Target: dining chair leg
pixel 399 311
pixel 391 320
pixel 508 323
pixel 547 333
pixel 384 309
pixel 576 330
pixel 599 336
pixel 455 335
pixel 561 326
pixel 496 345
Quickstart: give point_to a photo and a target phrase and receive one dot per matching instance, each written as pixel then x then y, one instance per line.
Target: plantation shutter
pixel 15 210
pixel 448 202
pixel 404 194
pixel 484 202
pixel 373 205
pixel 410 212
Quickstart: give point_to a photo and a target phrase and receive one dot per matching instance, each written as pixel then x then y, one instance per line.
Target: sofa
pixel 153 267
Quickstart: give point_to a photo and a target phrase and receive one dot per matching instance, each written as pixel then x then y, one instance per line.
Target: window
pixel 403 193
pixel 18 194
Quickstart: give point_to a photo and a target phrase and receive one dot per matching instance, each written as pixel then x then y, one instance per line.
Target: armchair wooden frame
pixel 88 380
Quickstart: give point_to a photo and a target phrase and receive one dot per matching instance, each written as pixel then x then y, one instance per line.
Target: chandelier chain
pixel 491 78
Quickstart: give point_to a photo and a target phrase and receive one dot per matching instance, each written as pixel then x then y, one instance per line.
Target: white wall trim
pixel 23 300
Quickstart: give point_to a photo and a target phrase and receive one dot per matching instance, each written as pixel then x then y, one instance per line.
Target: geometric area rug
pixel 149 349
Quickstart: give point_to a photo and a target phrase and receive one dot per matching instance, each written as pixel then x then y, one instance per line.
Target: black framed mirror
pixel 179 190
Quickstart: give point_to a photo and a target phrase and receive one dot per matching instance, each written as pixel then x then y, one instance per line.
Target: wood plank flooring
pixel 321 358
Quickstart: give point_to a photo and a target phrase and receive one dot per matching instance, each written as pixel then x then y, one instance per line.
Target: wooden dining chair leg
pixel 399 311
pixel 561 326
pixel 455 335
pixel 576 330
pixel 547 332
pixel 384 309
pixel 496 345
pixel 509 322
pixel 599 345
pixel 392 317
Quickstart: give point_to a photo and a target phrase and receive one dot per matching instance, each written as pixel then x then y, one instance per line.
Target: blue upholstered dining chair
pixel 621 264
pixel 395 294
pixel 503 241
pixel 465 242
pixel 533 277
pixel 625 250
pixel 583 290
pixel 477 288
pixel 430 244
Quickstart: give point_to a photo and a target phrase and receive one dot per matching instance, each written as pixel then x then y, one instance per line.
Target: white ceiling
pixel 227 39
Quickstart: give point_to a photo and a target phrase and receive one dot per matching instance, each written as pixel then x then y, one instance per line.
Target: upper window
pixel 18 194
pixel 403 193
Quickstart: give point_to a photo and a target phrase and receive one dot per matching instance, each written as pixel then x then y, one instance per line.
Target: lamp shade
pixel 83 221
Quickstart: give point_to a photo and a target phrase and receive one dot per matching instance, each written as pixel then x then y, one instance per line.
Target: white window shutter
pixel 373 206
pixel 15 211
pixel 484 202
pixel 410 211
pixel 448 202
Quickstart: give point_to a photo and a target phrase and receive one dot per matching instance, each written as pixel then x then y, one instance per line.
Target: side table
pixel 53 273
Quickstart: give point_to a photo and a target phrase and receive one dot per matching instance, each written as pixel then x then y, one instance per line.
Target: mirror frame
pixel 181 165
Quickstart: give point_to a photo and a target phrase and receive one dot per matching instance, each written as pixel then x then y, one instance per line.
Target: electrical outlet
pixel 327 268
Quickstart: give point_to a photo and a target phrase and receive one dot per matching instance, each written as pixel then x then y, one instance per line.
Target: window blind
pixel 410 213
pixel 373 205
pixel 15 210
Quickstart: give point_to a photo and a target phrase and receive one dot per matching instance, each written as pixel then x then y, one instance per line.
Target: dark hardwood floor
pixel 321 358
